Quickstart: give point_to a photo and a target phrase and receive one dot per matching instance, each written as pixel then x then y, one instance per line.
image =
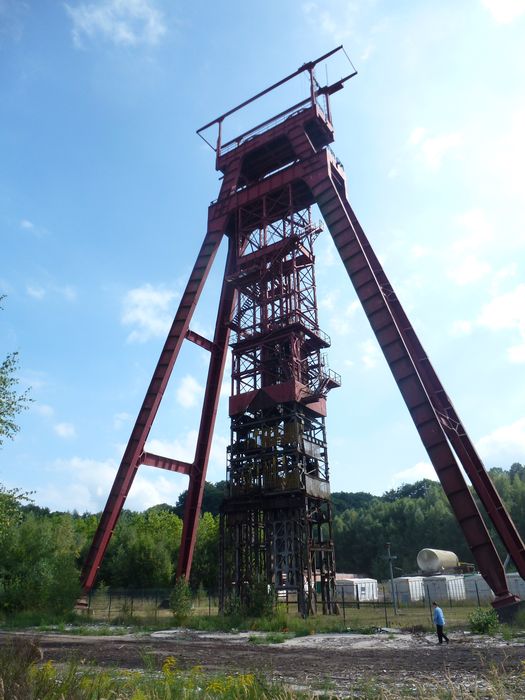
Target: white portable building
pixel 409 589
pixel 363 589
pixel 516 585
pixel 477 589
pixel 444 587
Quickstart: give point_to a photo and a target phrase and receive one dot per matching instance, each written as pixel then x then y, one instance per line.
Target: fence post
pixel 343 599
pixel 477 593
pixel 384 602
pixel 429 604
pixel 357 597
pixel 109 606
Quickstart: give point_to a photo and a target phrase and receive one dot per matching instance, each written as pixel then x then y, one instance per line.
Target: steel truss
pixel 276 521
pixel 273 174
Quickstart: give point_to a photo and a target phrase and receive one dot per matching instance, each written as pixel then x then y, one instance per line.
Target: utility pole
pixel 390 560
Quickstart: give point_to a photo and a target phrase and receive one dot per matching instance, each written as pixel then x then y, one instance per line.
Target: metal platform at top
pixel 309 103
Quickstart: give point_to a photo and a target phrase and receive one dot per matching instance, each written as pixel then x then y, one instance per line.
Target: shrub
pixel 180 599
pixel 484 621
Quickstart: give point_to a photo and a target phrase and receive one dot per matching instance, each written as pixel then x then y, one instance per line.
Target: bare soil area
pixel 332 661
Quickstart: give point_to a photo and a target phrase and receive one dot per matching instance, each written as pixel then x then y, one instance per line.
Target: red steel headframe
pixel 306 161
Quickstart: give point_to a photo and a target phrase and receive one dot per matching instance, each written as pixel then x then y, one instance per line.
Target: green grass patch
pixel 270 638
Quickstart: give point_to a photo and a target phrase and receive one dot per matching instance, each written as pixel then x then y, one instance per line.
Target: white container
pixel 409 589
pixel 363 589
pixel 436 561
pixel 516 585
pixel 477 589
pixel 444 587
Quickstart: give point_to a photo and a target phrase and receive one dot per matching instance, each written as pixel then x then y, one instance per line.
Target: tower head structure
pixel 276 520
pixel 276 525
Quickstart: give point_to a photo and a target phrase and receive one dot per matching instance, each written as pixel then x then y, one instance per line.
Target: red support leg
pixel 354 249
pixel 209 412
pixel 132 455
pixel 449 419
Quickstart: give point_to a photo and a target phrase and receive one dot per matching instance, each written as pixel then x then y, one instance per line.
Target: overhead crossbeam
pixel 172 465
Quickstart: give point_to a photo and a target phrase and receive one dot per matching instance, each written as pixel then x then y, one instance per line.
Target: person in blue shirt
pixel 439 621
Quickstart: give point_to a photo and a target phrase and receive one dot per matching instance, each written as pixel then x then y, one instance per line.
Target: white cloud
pixel 42 409
pixel 121 22
pixel 471 247
pixel 27 225
pixel 417 135
pixel 36 292
pixel 419 251
pixel 184 449
pixel 340 323
pixel 121 419
pixel 461 327
pixel 469 269
pixel 85 485
pixel 328 301
pixel 150 310
pixel 421 470
pixel 326 257
pixel 504 446
pixel 189 391
pixel 370 354
pixel 65 430
pixel 68 292
pixel 505 11
pixel 431 149
pixel 505 155
pixel 507 312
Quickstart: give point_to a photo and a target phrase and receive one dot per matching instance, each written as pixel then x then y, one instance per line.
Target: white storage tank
pixel 409 589
pixel 435 561
pixel 477 589
pixel 363 589
pixel 444 587
pixel 516 585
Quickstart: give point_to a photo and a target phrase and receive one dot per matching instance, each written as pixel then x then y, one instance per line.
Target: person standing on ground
pixel 439 621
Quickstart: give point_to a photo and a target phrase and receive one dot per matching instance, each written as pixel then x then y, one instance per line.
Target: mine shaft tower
pixel 276 518
pixel 276 524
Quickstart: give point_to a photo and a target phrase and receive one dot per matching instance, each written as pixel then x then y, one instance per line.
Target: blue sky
pixel 104 189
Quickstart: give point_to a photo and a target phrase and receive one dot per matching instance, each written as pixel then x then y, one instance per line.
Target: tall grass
pixel 23 676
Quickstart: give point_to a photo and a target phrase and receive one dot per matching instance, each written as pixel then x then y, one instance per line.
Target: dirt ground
pixel 331 661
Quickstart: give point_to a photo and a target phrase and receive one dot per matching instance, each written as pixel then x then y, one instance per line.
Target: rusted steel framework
pixel 276 522
pixel 286 165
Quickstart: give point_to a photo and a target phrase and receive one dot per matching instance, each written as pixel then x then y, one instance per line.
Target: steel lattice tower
pixel 276 517
pixel 276 524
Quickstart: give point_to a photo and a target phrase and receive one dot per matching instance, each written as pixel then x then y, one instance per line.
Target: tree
pixel 11 504
pixel 11 401
pixel 211 499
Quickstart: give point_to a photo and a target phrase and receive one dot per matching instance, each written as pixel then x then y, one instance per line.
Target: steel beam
pixel 354 249
pixel 135 448
pixel 193 503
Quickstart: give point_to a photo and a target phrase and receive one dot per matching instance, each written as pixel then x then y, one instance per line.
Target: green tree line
pixel 41 552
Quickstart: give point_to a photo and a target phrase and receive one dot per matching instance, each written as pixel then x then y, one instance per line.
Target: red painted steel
pixel 449 419
pixel 172 465
pixel 193 502
pixel 355 250
pixel 135 448
pixel 200 340
pixel 291 151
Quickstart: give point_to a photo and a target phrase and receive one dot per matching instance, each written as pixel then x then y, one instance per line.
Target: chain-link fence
pixel 373 607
